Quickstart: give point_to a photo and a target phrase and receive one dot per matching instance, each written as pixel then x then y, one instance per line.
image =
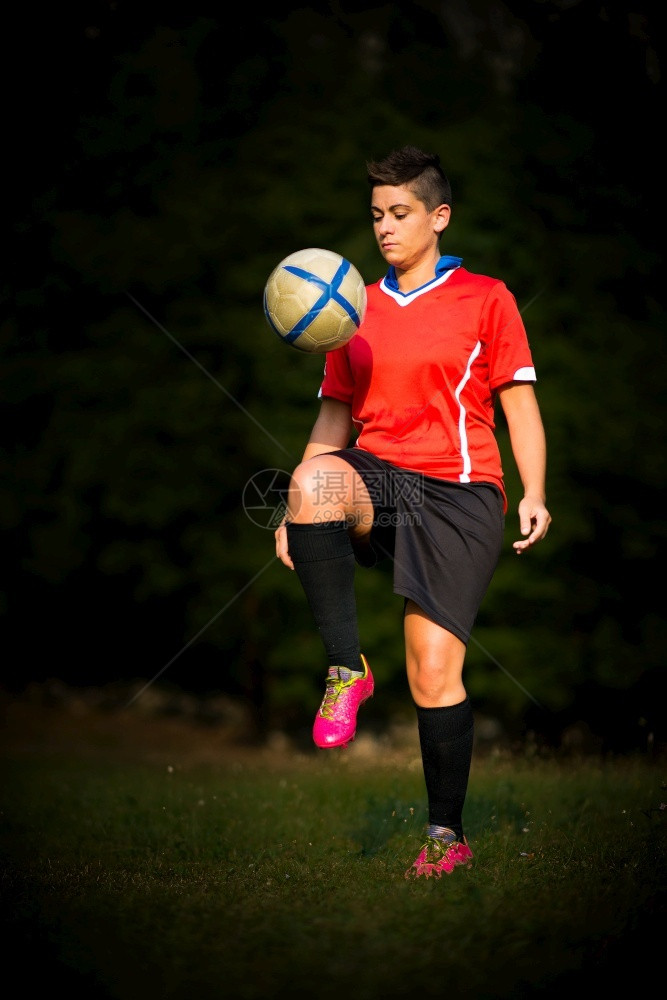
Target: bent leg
pixel 327 502
pixel 326 489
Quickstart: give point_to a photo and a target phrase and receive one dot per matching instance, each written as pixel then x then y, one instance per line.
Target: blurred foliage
pixel 144 390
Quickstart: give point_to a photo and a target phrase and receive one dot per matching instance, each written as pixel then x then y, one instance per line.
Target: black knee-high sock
pixel 446 738
pixel 324 562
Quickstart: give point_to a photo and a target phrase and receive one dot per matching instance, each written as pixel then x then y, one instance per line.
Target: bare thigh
pixel 326 488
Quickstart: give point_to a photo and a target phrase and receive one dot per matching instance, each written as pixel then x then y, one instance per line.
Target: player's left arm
pixel 529 449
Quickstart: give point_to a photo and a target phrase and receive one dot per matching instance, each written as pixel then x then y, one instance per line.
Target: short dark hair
pixel 419 171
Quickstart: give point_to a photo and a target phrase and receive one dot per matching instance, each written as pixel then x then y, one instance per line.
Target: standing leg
pixel 434 660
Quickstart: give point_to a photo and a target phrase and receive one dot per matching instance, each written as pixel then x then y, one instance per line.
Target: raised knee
pixel 304 485
pixel 315 494
pixel 304 478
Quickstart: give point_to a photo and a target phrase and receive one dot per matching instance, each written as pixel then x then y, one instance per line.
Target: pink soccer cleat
pixel 336 720
pixel 438 856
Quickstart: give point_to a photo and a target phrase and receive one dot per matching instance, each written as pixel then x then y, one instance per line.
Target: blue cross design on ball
pixel 330 291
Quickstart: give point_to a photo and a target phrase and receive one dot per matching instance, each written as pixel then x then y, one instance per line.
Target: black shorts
pixel 444 538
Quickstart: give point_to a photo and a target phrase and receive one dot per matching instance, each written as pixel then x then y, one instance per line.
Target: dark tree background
pixel 160 165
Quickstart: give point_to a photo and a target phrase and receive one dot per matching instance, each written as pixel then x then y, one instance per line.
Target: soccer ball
pixel 315 300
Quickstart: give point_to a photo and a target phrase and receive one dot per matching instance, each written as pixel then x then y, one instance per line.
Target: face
pixel 406 232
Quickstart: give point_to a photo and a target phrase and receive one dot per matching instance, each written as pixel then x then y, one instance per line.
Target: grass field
pixel 152 858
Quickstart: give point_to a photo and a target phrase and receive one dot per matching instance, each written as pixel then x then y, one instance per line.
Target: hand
pixel 534 521
pixel 281 545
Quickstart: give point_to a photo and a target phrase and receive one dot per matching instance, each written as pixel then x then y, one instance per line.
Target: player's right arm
pixel 331 431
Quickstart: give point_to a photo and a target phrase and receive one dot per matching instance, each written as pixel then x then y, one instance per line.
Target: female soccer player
pixel 402 463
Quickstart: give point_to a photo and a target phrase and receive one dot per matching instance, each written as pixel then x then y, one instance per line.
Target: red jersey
pixel 422 370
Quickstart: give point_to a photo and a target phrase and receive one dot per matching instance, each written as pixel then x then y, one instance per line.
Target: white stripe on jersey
pixel 464 477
